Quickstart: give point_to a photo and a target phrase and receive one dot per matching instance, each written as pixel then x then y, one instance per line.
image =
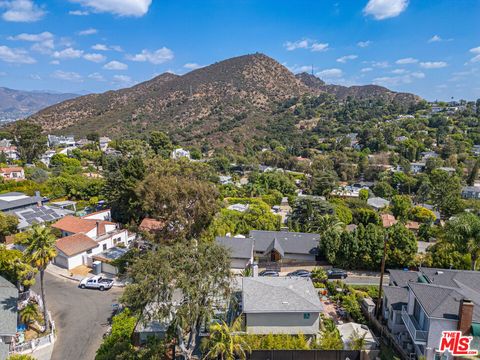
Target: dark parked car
pixel 268 273
pixel 336 274
pixel 300 273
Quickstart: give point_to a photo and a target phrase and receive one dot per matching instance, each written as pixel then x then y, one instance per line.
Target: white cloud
pixel 18 56
pixel 100 47
pixel 67 75
pixel 418 75
pixel 330 73
pixel 300 68
pixel 305 44
pixel 115 65
pixel 55 62
pixel 156 57
pixel 118 7
pixel 21 11
pixel 96 76
pixel 43 42
pixel 35 77
pixel 475 59
pixel 475 50
pixel 294 45
pixel 364 44
pixel 402 78
pixel 78 13
pixel 435 38
pixel 406 61
pixel 399 71
pixel 68 53
pixel 378 64
pixel 192 66
pixel 317 47
pixel 385 9
pixel 122 80
pixel 433 64
pixel 346 58
pixel 367 69
pixel 89 31
pixel 98 58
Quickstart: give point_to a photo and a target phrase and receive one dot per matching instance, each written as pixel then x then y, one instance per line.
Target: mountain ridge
pixel 226 102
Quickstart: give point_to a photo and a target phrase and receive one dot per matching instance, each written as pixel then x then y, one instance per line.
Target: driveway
pixel 81 317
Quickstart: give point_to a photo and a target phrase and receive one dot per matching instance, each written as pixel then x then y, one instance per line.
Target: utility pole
pixel 382 271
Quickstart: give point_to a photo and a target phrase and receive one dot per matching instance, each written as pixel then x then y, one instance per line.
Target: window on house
pixel 306 316
pixel 89 251
pixel 104 247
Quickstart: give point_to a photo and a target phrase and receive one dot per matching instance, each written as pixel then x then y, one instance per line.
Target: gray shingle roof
pixel 240 248
pixel 275 245
pixel 402 278
pixel 396 296
pixel 8 307
pixel 15 200
pixel 281 294
pixel 291 242
pixel 378 202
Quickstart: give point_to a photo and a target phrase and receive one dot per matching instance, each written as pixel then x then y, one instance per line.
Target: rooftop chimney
pixel 465 315
pixel 39 198
pixel 98 228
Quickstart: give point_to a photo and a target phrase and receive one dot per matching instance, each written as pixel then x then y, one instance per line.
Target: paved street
pixel 81 317
pixel 366 280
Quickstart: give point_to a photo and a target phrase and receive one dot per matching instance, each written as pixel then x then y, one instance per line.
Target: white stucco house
pixel 280 305
pixel 84 237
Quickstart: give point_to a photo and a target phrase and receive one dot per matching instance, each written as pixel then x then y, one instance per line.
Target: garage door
pixel 61 261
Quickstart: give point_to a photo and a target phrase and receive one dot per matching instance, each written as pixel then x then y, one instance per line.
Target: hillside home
pixel 283 305
pixel 12 173
pixel 84 237
pixel 103 142
pixel 17 200
pixel 180 153
pixel 9 150
pixel 378 203
pixel 240 250
pixel 471 192
pixel 8 316
pixel 417 167
pixel 66 141
pixel 428 302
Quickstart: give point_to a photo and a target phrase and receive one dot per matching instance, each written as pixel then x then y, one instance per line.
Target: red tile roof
pixel 76 225
pixel 75 244
pixel 388 220
pixel 9 170
pixel 151 225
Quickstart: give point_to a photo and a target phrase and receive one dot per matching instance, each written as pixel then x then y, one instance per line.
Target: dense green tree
pixel 200 272
pixel 29 140
pixel 305 210
pixel 160 143
pixel 401 246
pixel 445 192
pixel 472 176
pixel 16 268
pixel 225 342
pixel 464 231
pixel 366 216
pixel 401 206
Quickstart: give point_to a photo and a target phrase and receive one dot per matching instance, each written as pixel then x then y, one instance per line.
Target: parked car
pixel 300 273
pixel 273 273
pixel 336 274
pixel 96 282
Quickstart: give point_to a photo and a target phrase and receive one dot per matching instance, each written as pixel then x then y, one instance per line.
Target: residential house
pixel 417 167
pixel 449 170
pixel 151 226
pixel 476 150
pixel 388 220
pixel 224 180
pixel 240 250
pixel 108 257
pixel 17 200
pixel 351 330
pixel 282 305
pixel 47 156
pixel 180 153
pixel 67 141
pixel 432 301
pixel 36 214
pixel 12 173
pixel 103 142
pixel 84 237
pixel 275 246
pixel 471 192
pixel 378 203
pixel 239 207
pixel 8 316
pixel 10 152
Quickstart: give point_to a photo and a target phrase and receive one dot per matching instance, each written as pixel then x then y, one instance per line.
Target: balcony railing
pixel 418 336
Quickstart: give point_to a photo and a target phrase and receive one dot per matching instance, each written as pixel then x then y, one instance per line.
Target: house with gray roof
pixel 431 301
pixel 282 305
pixel 240 249
pixel 378 203
pixel 18 200
pixel 8 315
pixel 271 246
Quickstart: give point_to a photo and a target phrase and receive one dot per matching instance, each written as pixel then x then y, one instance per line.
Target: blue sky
pixel 428 47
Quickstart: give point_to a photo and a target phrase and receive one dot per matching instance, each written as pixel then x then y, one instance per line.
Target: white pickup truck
pixel 96 282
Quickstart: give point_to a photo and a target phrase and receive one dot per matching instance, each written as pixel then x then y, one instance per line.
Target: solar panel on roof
pixel 46 218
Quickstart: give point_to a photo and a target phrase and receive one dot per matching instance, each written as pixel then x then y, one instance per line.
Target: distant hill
pixel 224 103
pixel 17 104
pixel 361 92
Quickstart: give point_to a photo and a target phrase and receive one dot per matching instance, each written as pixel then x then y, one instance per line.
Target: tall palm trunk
pixel 44 300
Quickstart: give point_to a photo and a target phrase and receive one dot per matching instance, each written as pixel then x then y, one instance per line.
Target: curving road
pixel 81 317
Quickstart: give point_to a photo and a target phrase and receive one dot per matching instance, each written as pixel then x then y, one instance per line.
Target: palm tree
pixel 464 229
pixel 324 223
pixel 29 314
pixel 41 251
pixel 225 342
